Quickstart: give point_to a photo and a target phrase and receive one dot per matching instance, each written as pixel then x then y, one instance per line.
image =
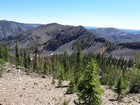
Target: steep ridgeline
pixel 10 28
pixel 56 38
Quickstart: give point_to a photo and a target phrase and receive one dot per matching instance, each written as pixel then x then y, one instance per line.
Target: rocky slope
pixel 17 88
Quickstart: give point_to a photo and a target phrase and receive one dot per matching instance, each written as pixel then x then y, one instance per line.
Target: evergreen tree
pixel 59 72
pixel 25 59
pixel 46 69
pixel 89 86
pixel 137 61
pixel 60 80
pixel 72 87
pixel 76 71
pixel 36 60
pixel 54 63
pixel 61 77
pixel 17 54
pixel 135 78
pixel 78 63
pixel 120 87
pixel 135 83
pixel 6 54
pixel 53 80
pixel 29 63
pixel 66 65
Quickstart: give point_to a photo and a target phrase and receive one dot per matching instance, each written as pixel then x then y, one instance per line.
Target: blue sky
pixel 100 13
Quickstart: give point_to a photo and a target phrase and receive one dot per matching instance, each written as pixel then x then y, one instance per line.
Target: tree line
pixel 85 72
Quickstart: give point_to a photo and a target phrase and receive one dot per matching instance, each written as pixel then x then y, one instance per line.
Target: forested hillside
pixel 86 73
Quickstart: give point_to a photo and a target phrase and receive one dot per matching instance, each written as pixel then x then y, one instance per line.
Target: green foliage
pixel 4 53
pixel 72 88
pixel 135 79
pixel 53 81
pixel 60 82
pixel 111 68
pixel 61 73
pixel 36 63
pixel 61 77
pixel 1 71
pixel 120 87
pixel 66 102
pixel 66 65
pixel 2 61
pixel 78 63
pixel 75 72
pixel 135 82
pixel 46 68
pixel 89 86
pixel 17 54
pixel 29 63
pixel 1 68
pixel 54 64
pixel 58 71
pixel 25 59
pixel 137 61
pixel 37 67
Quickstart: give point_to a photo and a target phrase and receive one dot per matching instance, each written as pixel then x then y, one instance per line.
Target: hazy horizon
pixel 123 14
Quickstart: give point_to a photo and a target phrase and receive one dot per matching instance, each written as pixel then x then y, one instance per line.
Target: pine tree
pixel 72 87
pixel 54 63
pixel 46 69
pixel 120 87
pixel 36 60
pixel 17 54
pixel 135 79
pixel 6 54
pixel 66 65
pixel 135 83
pixel 25 59
pixel 75 74
pixel 61 77
pixel 89 86
pixel 29 63
pixel 137 61
pixel 78 63
pixel 53 80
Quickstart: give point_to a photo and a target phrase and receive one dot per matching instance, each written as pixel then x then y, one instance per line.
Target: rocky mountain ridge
pixel 56 38
pixel 10 28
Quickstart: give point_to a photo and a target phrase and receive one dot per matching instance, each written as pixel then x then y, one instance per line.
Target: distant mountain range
pixel 10 28
pixel 116 35
pixel 56 38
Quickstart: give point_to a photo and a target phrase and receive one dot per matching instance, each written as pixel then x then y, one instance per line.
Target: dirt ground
pixel 17 88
